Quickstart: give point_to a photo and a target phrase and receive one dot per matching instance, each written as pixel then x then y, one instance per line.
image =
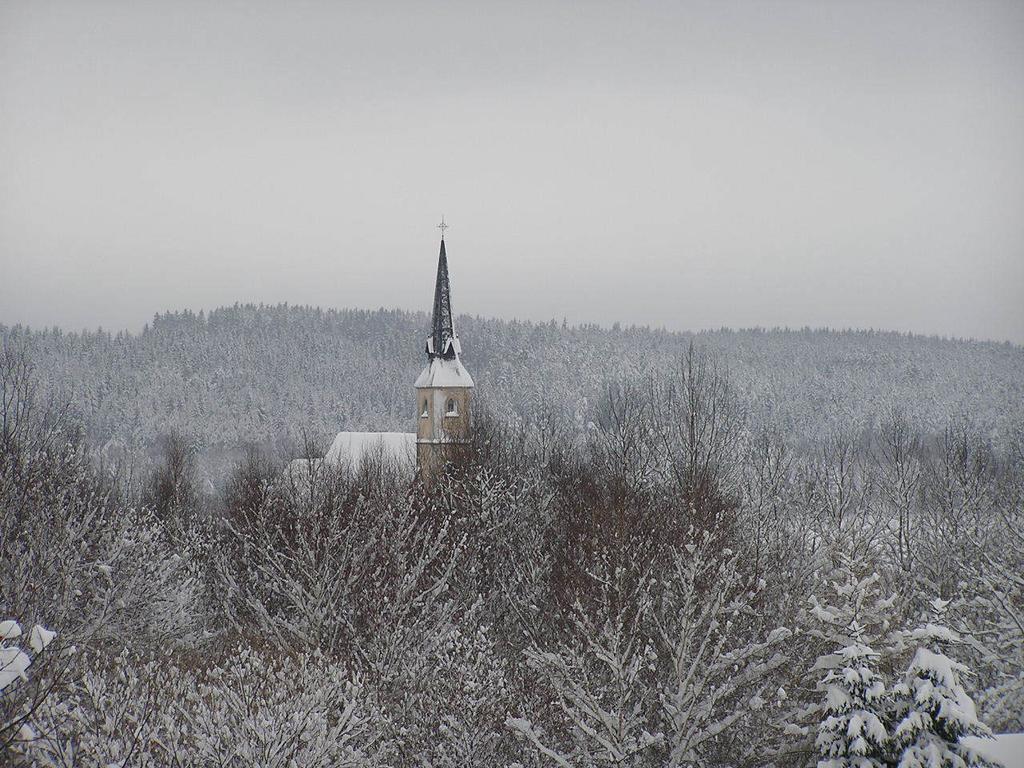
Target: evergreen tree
pixel 933 708
pixel 853 734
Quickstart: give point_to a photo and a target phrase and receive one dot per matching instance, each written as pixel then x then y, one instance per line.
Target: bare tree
pixel 700 423
pixel 172 491
pixel 898 459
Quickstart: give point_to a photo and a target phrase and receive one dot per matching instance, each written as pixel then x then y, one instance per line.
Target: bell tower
pixel 443 391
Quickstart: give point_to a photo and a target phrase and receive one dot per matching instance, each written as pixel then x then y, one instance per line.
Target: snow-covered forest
pixel 274 376
pixel 734 548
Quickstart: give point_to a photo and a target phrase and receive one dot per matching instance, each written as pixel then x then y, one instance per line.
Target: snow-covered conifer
pixel 934 709
pixel 850 719
pixel 853 733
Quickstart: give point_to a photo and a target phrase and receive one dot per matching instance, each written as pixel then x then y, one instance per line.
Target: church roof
pixel 354 446
pixel 442 341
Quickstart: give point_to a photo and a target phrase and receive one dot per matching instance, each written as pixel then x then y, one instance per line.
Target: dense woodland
pixel 751 548
pixel 274 376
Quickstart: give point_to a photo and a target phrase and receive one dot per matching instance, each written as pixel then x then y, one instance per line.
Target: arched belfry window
pixel 426 409
pixel 452 409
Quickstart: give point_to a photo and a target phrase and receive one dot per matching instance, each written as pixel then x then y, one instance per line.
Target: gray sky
pixel 682 164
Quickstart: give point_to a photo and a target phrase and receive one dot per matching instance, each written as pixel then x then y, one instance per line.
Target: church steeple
pixel 442 342
pixel 444 389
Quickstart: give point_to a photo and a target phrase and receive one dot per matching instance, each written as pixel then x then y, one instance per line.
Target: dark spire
pixel 441 341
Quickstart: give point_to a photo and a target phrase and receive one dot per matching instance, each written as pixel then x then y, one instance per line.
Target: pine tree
pixel 853 734
pixel 933 708
pixel 850 721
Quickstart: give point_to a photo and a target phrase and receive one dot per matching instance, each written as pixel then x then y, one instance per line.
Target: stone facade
pixel 443 425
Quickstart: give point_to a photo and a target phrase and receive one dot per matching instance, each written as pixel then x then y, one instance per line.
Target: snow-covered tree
pixel 665 678
pixel 248 373
pixel 600 677
pixel 846 711
pixel 934 709
pixel 853 733
pixel 999 621
pixel 550 578
pixel 721 656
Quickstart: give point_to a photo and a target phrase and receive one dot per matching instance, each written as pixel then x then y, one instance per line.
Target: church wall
pixel 437 430
pixel 438 424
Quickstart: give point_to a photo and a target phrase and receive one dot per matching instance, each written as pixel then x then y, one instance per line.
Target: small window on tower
pixel 426 410
pixel 453 408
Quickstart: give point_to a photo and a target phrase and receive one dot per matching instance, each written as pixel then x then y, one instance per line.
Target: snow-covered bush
pixel 603 681
pixel 334 570
pixel 24 687
pixel 384 581
pixel 247 708
pixel 121 710
pixel 723 657
pixel 85 561
pixel 278 711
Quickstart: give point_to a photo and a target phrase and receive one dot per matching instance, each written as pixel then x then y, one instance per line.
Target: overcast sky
pixel 690 165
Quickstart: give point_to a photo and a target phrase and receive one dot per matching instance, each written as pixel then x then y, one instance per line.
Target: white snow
pixel 9 629
pixel 444 373
pixel 937 667
pixel 40 637
pixel 13 664
pixel 1006 748
pixel 778 634
pixel 933 632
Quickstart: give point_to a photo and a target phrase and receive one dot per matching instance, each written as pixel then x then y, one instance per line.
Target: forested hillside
pixel 248 374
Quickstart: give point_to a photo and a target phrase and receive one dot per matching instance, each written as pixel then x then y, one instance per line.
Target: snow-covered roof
pixel 353 446
pixel 444 373
pixel 350 448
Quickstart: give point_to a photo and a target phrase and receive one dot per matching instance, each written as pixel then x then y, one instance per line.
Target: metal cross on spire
pixel 442 226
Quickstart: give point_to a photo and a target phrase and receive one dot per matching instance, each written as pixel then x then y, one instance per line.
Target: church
pixel 444 404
